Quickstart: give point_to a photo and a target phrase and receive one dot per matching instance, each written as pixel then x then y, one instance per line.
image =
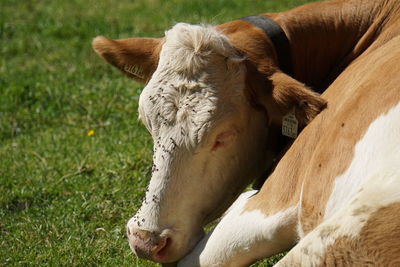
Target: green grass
pixel 65 197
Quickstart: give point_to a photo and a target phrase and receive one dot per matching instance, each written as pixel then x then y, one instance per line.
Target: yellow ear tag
pixel 290 125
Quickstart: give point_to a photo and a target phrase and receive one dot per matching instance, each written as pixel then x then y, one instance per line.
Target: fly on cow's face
pixel 173 142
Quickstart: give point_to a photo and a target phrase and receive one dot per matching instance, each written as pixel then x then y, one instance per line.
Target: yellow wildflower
pixel 90 132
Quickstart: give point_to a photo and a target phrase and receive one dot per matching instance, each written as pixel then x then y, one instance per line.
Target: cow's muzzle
pixel 149 245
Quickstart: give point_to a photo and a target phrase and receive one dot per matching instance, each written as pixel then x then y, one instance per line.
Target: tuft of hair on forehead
pixel 190 48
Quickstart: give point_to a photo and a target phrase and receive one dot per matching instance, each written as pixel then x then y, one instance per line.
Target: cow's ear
pixel 290 95
pixel 135 57
pixel 280 95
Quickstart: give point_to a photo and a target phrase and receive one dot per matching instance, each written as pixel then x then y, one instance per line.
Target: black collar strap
pixel 277 37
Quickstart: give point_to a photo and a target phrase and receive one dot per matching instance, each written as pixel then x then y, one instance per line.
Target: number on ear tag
pixel 290 125
pixel 134 70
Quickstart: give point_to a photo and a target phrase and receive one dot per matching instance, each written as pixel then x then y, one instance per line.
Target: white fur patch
pixel 191 48
pixel 191 77
pixel 240 237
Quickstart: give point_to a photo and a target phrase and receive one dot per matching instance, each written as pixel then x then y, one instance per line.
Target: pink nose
pixel 148 245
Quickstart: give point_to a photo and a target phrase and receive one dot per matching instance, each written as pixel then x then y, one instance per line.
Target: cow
pixel 214 128
pixel 215 102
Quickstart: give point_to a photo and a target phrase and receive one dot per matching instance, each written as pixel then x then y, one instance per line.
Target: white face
pixel 209 143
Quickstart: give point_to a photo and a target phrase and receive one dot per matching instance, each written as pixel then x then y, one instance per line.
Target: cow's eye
pixel 223 139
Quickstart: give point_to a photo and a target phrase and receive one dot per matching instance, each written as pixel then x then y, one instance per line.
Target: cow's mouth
pixel 162 253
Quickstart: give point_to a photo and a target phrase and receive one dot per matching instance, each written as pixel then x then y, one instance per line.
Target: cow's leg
pixel 364 233
pixel 243 237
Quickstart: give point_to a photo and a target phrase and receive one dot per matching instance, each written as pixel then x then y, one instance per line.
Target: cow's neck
pixel 325 37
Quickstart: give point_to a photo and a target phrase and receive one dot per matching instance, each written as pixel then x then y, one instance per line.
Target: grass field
pixel 74 160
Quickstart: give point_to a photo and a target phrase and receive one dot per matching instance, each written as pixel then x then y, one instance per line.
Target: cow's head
pixel 214 121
